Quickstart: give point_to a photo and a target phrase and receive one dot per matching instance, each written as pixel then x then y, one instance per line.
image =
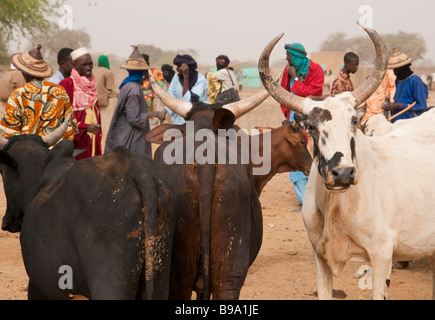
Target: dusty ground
pixel 283 269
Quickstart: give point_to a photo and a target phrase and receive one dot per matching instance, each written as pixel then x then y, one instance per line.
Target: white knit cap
pixel 78 53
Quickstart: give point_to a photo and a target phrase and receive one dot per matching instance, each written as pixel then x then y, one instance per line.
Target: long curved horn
pixel 287 99
pixel 58 133
pixel 180 107
pixel 363 92
pixel 239 108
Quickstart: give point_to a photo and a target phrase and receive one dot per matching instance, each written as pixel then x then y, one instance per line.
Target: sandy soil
pixel 283 269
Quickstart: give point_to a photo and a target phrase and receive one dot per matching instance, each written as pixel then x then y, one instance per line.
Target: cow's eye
pixel 354 121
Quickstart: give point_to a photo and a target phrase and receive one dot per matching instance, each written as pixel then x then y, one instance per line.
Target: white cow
pixel 378 125
pixel 370 198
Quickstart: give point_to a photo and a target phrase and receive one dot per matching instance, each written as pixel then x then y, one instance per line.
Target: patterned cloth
pixel 85 91
pixel 342 83
pixel 148 91
pixel 38 107
pixel 84 139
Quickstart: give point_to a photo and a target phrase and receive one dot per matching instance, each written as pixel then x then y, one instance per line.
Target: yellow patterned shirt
pixel 38 108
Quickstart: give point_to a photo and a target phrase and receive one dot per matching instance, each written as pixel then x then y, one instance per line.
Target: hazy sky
pixel 242 28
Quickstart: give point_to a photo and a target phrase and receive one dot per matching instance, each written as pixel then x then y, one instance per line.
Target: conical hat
pixel 398 59
pixel 135 61
pixel 32 63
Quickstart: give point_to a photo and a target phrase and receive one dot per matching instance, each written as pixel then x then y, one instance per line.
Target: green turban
pixel 299 58
pixel 103 61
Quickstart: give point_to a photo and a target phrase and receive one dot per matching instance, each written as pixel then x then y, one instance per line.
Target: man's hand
pixel 291 70
pixel 185 69
pixel 93 128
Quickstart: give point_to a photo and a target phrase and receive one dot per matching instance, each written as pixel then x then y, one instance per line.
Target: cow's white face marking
pixel 333 124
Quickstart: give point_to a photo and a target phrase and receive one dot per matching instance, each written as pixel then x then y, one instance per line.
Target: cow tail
pixel 149 216
pixel 206 175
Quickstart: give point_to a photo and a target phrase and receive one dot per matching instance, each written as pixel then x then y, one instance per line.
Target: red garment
pixel 82 140
pixel 311 86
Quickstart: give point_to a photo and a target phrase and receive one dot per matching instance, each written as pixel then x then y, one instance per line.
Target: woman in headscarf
pixel 187 85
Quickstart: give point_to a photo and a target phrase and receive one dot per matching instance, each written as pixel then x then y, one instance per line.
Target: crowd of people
pixel 38 106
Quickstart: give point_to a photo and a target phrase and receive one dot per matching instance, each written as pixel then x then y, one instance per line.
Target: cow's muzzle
pixel 340 178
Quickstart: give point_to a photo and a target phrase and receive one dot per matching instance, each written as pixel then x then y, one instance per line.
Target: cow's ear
pixel 6 159
pixel 301 120
pixel 64 148
pixel 157 135
pixel 223 119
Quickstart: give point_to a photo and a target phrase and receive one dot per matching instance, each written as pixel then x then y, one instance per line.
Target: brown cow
pixel 288 147
pixel 219 226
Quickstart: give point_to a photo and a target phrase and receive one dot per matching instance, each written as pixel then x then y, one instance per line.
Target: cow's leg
pixel 33 293
pixel 432 264
pixel 381 272
pixel 323 277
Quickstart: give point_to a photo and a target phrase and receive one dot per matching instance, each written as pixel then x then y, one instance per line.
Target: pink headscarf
pixel 85 91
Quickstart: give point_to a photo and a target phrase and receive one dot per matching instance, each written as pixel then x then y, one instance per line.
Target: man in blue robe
pixel 409 88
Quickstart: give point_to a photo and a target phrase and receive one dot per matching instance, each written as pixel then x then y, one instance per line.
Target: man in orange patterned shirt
pixel 343 82
pixel 39 106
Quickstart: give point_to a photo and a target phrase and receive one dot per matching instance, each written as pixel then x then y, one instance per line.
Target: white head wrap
pixel 78 53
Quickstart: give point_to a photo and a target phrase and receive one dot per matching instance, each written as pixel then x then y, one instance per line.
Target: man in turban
pixel 409 88
pixel 221 80
pixel 187 85
pixel 304 78
pixel 82 91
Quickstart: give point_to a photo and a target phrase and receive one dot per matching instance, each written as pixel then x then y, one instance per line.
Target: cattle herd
pixel 129 226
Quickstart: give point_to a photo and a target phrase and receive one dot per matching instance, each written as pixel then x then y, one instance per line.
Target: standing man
pixel 168 73
pixel 38 107
pixel 82 91
pixel 65 65
pixel 187 85
pixel 130 121
pixel 303 78
pixel 221 80
pixel 409 88
pixel 343 82
pixel 106 93
pixel 384 94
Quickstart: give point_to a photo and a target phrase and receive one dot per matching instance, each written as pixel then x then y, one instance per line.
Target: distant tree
pixel 159 57
pixel 53 39
pixel 22 18
pixel 412 44
pixel 335 42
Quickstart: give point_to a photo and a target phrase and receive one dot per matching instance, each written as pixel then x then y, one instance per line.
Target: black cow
pixel 109 219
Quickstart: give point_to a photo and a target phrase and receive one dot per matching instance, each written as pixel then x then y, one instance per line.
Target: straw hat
pixel 398 59
pixel 32 63
pixel 135 61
